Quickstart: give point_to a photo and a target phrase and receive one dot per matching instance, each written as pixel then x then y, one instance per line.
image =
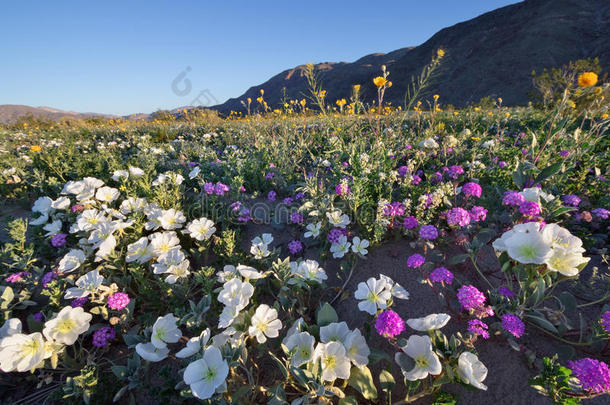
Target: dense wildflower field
pixel 432 256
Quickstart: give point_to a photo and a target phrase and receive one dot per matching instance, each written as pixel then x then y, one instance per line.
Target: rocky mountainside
pixel 491 55
pixel 12 112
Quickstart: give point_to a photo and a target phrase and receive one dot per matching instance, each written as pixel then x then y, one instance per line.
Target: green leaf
pixel 457 259
pixel 362 380
pixel 543 323
pixel 568 301
pixel 326 315
pixel 386 381
pixel 349 400
pixel 119 371
pixel 548 172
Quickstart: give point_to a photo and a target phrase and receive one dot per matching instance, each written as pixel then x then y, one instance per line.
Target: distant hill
pixel 491 55
pixel 11 112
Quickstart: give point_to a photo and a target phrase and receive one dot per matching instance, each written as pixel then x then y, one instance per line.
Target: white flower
pixel 313 230
pixel 527 248
pixel 177 271
pixel 166 260
pixel 430 322
pixel 90 219
pixel 373 295
pixel 139 251
pixel 249 273
pixel 165 331
pixel 171 219
pixel 534 194
pixel 163 242
pixel 150 353
pixel 194 344
pixel 136 171
pixel 227 316
pixel 356 348
pixel 42 205
pixel 296 327
pixel 561 237
pixel 20 352
pixel 40 220
pixel 565 261
pixel 236 293
pixel 53 228
pixel 340 248
pixel 419 348
pixel 205 375
pixel 67 325
pixel 107 194
pixel 488 144
pixel 471 370
pixel 193 173
pixel 359 246
pixel 260 246
pixel 334 332
pixel 335 363
pixel 302 345
pixel 61 203
pixel 428 143
pixel 264 323
pixel 396 289
pixel 228 272
pixel 132 204
pixel 87 284
pixel 337 219
pixel 10 327
pixel 103 240
pixel 200 229
pixel 308 269
pixel 120 174
pixel 71 261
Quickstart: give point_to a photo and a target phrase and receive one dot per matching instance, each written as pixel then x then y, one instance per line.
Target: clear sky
pixel 122 57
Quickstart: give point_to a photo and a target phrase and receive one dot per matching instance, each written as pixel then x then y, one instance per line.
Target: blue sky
pixel 122 57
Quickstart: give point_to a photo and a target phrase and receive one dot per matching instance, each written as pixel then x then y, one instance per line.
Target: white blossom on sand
pixel 419 348
pixel 165 331
pixel 471 370
pixel 264 323
pixel 430 322
pixel 205 375
pixel 67 325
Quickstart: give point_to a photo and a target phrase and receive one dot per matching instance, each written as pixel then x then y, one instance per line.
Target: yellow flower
pixel 303 102
pixel 475 138
pixel 587 79
pixel 604 116
pixel 435 97
pixel 380 81
pixel 389 84
pixel 249 100
pixel 262 92
pixel 356 88
pixel 507 115
pixel 35 148
pixel 341 102
pixel 440 52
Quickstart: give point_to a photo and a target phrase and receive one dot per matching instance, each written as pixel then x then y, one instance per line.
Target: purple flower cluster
pixel 269 175
pixel 102 336
pixel 402 171
pixel 336 233
pixel 271 196
pixel 288 200
pixel 441 275
pixel 218 188
pixel 59 239
pixel 470 297
pixel 118 301
pixel 389 324
pixel 530 208
pixel 342 190
pixel 415 179
pixel 428 232
pixel 506 292
pixel 472 189
pixel 478 328
pixel 454 171
pixel 601 213
pixel 295 247
pixel 513 324
pixel 513 198
pixel 410 222
pixel 478 214
pixel 594 375
pixel 415 261
pixel 17 277
pixel 605 321
pixel 458 216
pixel 47 278
pixel 79 302
pixel 571 200
pixel 296 217
pixel 396 209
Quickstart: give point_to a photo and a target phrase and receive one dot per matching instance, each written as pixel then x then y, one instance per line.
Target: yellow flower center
pixel 30 348
pixel 65 326
pixel 421 362
pixel 330 362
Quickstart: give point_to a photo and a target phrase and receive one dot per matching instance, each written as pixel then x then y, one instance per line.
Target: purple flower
pixel 478 214
pixel 502 164
pixel 472 189
pixel 59 239
pixel 437 177
pixel 77 208
pixel 335 234
pixel 271 195
pixel 389 324
pixel 470 297
pixel 415 179
pixel 410 222
pixel 454 171
pixel 478 328
pixel 221 189
pixel 402 171
pixel 415 261
pixel 79 302
pixel 594 375
pixel 38 317
pixel 458 216
pixel 564 153
pixel 395 209
pixel 530 208
pixel 242 189
pixel 288 200
pixel 295 247
pixel 441 275
pixel 512 324
pixel 513 198
pixel 296 217
pixel 601 213
pixel 605 320
pixel 236 206
pixel 505 292
pixel 102 336
pixel 208 188
pixel 428 232
pixel 342 190
pixel 118 301
pixel 571 200
pixel 299 196
pixel 269 175
pixel 17 277
pixel 47 278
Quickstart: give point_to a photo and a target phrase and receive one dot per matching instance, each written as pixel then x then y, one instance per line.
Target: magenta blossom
pixel 415 261
pixel 472 189
pixel 441 275
pixel 478 328
pixel 118 301
pixel 295 247
pixel 593 375
pixel 513 324
pixel 389 324
pixel 410 222
pixel 458 216
pixel 530 208
pixel 470 297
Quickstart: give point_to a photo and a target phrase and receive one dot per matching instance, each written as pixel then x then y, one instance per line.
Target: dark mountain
pixel 491 55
